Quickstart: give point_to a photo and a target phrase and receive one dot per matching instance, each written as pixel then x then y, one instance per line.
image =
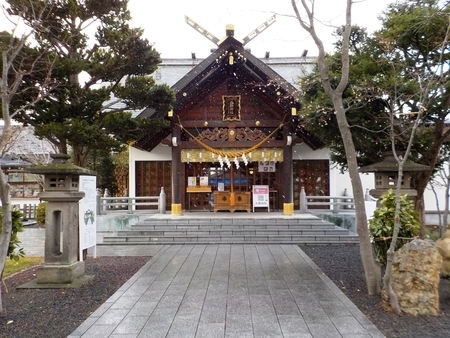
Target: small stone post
pixel 162 201
pixel 303 206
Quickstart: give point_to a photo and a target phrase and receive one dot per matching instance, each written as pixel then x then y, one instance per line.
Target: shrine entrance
pixel 207 182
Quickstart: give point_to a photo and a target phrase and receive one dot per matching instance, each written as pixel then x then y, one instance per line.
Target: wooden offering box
pixel 222 201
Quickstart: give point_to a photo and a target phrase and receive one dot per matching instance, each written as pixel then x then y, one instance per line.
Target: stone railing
pixel 107 204
pixel 318 204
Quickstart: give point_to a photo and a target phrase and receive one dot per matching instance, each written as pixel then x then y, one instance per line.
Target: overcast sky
pixel 164 24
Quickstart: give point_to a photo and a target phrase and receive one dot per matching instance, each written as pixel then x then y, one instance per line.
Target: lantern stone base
pixel 60 274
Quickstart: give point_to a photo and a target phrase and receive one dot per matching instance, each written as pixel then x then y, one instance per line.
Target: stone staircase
pixel 229 230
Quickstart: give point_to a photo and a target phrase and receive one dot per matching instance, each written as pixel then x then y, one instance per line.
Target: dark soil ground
pixel 58 312
pixel 342 264
pixel 54 313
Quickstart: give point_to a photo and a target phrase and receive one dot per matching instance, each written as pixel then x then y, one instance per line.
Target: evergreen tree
pixel 400 70
pixel 102 76
pixel 102 162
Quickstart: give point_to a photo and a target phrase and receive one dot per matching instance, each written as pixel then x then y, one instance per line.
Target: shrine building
pixel 235 127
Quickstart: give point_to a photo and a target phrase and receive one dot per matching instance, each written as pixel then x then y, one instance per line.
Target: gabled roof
pixel 248 70
pixel 24 146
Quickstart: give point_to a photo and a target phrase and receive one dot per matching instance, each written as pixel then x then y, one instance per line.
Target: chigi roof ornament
pixel 230 30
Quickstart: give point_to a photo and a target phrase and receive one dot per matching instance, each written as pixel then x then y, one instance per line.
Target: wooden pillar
pixel 232 196
pixel 287 191
pixel 176 171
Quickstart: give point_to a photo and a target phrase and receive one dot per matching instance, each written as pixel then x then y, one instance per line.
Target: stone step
pixel 229 230
pixel 268 226
pixel 230 222
pixel 257 239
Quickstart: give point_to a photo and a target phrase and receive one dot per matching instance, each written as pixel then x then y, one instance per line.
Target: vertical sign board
pixel 261 197
pixel 88 213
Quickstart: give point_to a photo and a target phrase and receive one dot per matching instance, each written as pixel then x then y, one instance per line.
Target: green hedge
pixel 381 226
pixel 14 250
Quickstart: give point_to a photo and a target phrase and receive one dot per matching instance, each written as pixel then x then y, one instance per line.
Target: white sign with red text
pixel 261 197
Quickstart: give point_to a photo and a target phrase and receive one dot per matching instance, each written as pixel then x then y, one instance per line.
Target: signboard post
pixel 261 197
pixel 88 214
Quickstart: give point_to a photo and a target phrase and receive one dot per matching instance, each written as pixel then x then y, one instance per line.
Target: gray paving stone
pixel 297 335
pixel 291 325
pixel 84 326
pixel 112 317
pixel 259 289
pixel 101 309
pixel 99 331
pixel 335 309
pixel 316 318
pixel 213 315
pixel 323 330
pixel 183 327
pixel 158 324
pixel 238 324
pixel 131 325
pixel 262 305
pixel 125 302
pixel 262 327
pixel 348 325
pixel 142 308
pixel 210 330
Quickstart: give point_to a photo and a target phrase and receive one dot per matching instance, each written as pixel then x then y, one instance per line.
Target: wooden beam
pixel 240 144
pixel 238 124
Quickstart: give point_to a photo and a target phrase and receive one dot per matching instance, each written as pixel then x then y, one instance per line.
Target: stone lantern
pixel 386 175
pixel 61 190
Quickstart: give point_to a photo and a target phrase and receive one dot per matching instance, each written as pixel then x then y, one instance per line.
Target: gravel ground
pixel 54 313
pixel 58 312
pixel 342 264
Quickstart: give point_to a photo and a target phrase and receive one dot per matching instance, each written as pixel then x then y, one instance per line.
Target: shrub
pixel 14 250
pixel 381 226
pixel 40 213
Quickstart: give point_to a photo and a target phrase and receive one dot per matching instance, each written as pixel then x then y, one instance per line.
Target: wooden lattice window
pixel 151 176
pixel 314 176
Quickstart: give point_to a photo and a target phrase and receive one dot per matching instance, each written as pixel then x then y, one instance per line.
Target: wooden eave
pixel 310 140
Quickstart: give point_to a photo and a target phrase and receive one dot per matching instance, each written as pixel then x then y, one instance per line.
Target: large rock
pixel 443 247
pixel 415 278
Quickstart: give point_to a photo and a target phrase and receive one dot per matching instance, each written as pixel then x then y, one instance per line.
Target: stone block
pixel 59 274
pixel 415 278
pixel 443 247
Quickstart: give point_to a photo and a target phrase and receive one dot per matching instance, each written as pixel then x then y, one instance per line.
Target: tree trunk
pixel 445 215
pixel 5 236
pixel 365 247
pixel 393 299
pixel 336 94
pixel 80 156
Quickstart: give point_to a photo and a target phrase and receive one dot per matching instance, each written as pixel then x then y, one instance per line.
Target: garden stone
pixel 443 247
pixel 415 278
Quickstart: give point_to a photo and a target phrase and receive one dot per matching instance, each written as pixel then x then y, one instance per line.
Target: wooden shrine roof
pixel 248 72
